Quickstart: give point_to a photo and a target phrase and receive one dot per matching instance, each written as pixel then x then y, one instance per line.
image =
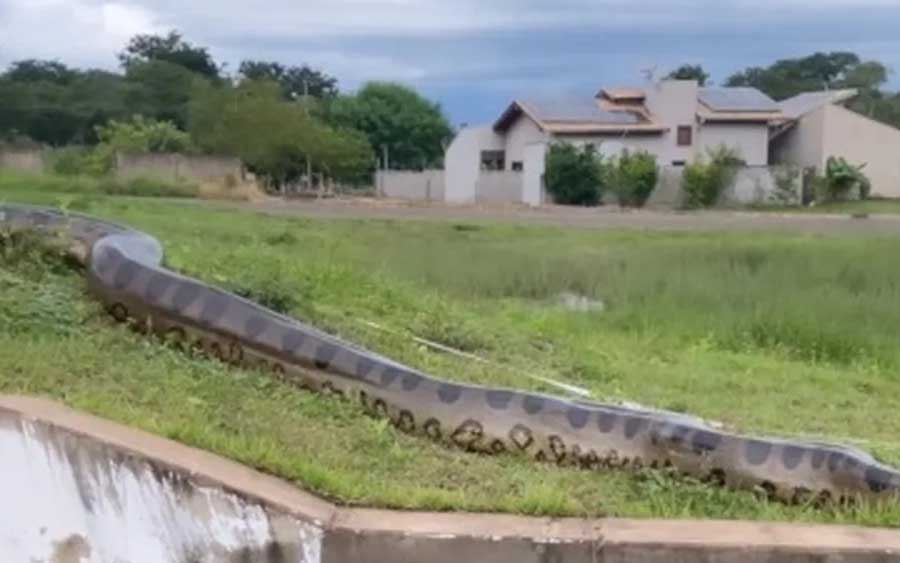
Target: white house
pixel 675 120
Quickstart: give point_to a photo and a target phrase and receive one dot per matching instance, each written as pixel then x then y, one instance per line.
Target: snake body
pixel 125 272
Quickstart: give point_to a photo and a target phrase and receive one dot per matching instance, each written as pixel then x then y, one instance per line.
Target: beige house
pixel 675 120
pixel 816 126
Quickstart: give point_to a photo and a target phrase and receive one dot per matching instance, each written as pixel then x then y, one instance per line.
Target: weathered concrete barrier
pixel 78 488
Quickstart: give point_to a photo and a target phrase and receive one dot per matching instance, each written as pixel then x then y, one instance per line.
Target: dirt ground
pixel 597 218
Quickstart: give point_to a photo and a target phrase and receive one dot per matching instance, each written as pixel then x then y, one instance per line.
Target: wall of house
pixel 862 140
pixel 751 140
pixel 674 103
pixel 426 185
pixel 523 132
pixel 803 144
pixel 462 162
pixel 499 186
pixel 610 145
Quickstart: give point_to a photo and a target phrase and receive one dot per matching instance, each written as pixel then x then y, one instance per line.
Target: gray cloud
pixel 470 54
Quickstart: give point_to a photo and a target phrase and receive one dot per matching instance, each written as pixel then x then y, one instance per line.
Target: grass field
pixel 867 207
pixel 791 335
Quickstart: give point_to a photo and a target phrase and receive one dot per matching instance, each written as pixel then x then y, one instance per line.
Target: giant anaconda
pixel 125 271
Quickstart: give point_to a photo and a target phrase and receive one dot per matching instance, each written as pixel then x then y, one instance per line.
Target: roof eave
pixel 600 129
pixel 512 113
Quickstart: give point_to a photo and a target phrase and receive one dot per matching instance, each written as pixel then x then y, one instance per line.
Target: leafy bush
pixel 632 177
pixel 841 178
pixel 574 176
pixel 703 182
pixel 79 161
pixel 144 135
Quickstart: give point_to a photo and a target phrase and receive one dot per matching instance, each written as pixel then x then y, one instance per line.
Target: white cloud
pixel 79 32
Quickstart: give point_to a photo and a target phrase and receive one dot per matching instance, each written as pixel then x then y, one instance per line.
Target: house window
pixel 493 160
pixel 685 135
pixel 517 166
pixel 678 163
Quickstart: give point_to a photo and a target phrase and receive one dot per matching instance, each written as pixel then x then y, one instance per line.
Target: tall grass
pixel 91 185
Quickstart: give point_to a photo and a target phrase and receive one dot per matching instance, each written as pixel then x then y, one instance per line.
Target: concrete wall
pixel 499 187
pixel 803 144
pixel 750 140
pixel 427 185
pixel 861 140
pixel 533 192
pixel 22 160
pixel 177 167
pixel 462 162
pixel 751 185
pixel 523 133
pixel 668 193
pixel 70 499
pixel 759 184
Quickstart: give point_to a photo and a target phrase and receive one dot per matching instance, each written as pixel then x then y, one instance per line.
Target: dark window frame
pixel 685 135
pixel 517 166
pixel 493 160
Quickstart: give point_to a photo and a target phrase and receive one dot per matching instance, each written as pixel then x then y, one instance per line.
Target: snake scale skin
pixel 125 272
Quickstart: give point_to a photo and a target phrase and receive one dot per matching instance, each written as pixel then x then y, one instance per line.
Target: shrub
pixel 574 176
pixel 143 135
pixel 632 177
pixel 79 161
pixel 703 182
pixel 841 178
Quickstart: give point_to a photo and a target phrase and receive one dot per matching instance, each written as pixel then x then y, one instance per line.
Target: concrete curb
pixel 352 534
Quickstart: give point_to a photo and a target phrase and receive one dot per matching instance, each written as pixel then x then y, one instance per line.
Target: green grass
pixel 767 333
pixel 90 185
pixel 867 207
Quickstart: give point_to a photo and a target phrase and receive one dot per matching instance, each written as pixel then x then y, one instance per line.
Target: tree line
pixel 786 78
pixel 282 121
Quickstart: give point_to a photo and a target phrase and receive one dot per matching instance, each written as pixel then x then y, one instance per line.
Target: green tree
pixel 55 105
pixel 295 81
pixel 160 90
pixel 789 77
pixel 35 70
pixel 170 48
pixel 272 136
pixel 392 116
pixel 690 72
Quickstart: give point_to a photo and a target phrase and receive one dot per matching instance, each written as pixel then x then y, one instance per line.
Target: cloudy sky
pixel 471 55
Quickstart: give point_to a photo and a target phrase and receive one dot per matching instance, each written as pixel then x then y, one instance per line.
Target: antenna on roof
pixel 649 73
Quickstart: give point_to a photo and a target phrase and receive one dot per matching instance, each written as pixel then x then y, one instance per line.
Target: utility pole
pixel 386 162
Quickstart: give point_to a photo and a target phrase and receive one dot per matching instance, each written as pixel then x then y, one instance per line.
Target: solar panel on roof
pixel 737 99
pixel 578 110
